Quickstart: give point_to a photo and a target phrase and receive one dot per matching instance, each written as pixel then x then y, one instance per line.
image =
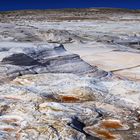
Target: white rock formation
pixel 88 88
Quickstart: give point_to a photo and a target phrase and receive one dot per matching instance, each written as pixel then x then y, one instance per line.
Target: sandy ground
pixel 125 64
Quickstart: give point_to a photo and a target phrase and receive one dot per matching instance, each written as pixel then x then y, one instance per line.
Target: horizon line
pixel 47 9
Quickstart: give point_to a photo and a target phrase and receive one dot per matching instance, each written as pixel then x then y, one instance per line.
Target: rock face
pixel 20 59
pixel 86 89
pixel 59 36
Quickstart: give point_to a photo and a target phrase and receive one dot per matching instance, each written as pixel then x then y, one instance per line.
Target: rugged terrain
pixel 71 74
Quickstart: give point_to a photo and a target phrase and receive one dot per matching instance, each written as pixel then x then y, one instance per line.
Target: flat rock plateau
pixel 70 74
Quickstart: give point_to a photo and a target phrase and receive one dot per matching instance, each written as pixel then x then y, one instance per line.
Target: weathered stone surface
pixel 20 59
pixel 63 92
pixel 42 106
pixel 106 129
